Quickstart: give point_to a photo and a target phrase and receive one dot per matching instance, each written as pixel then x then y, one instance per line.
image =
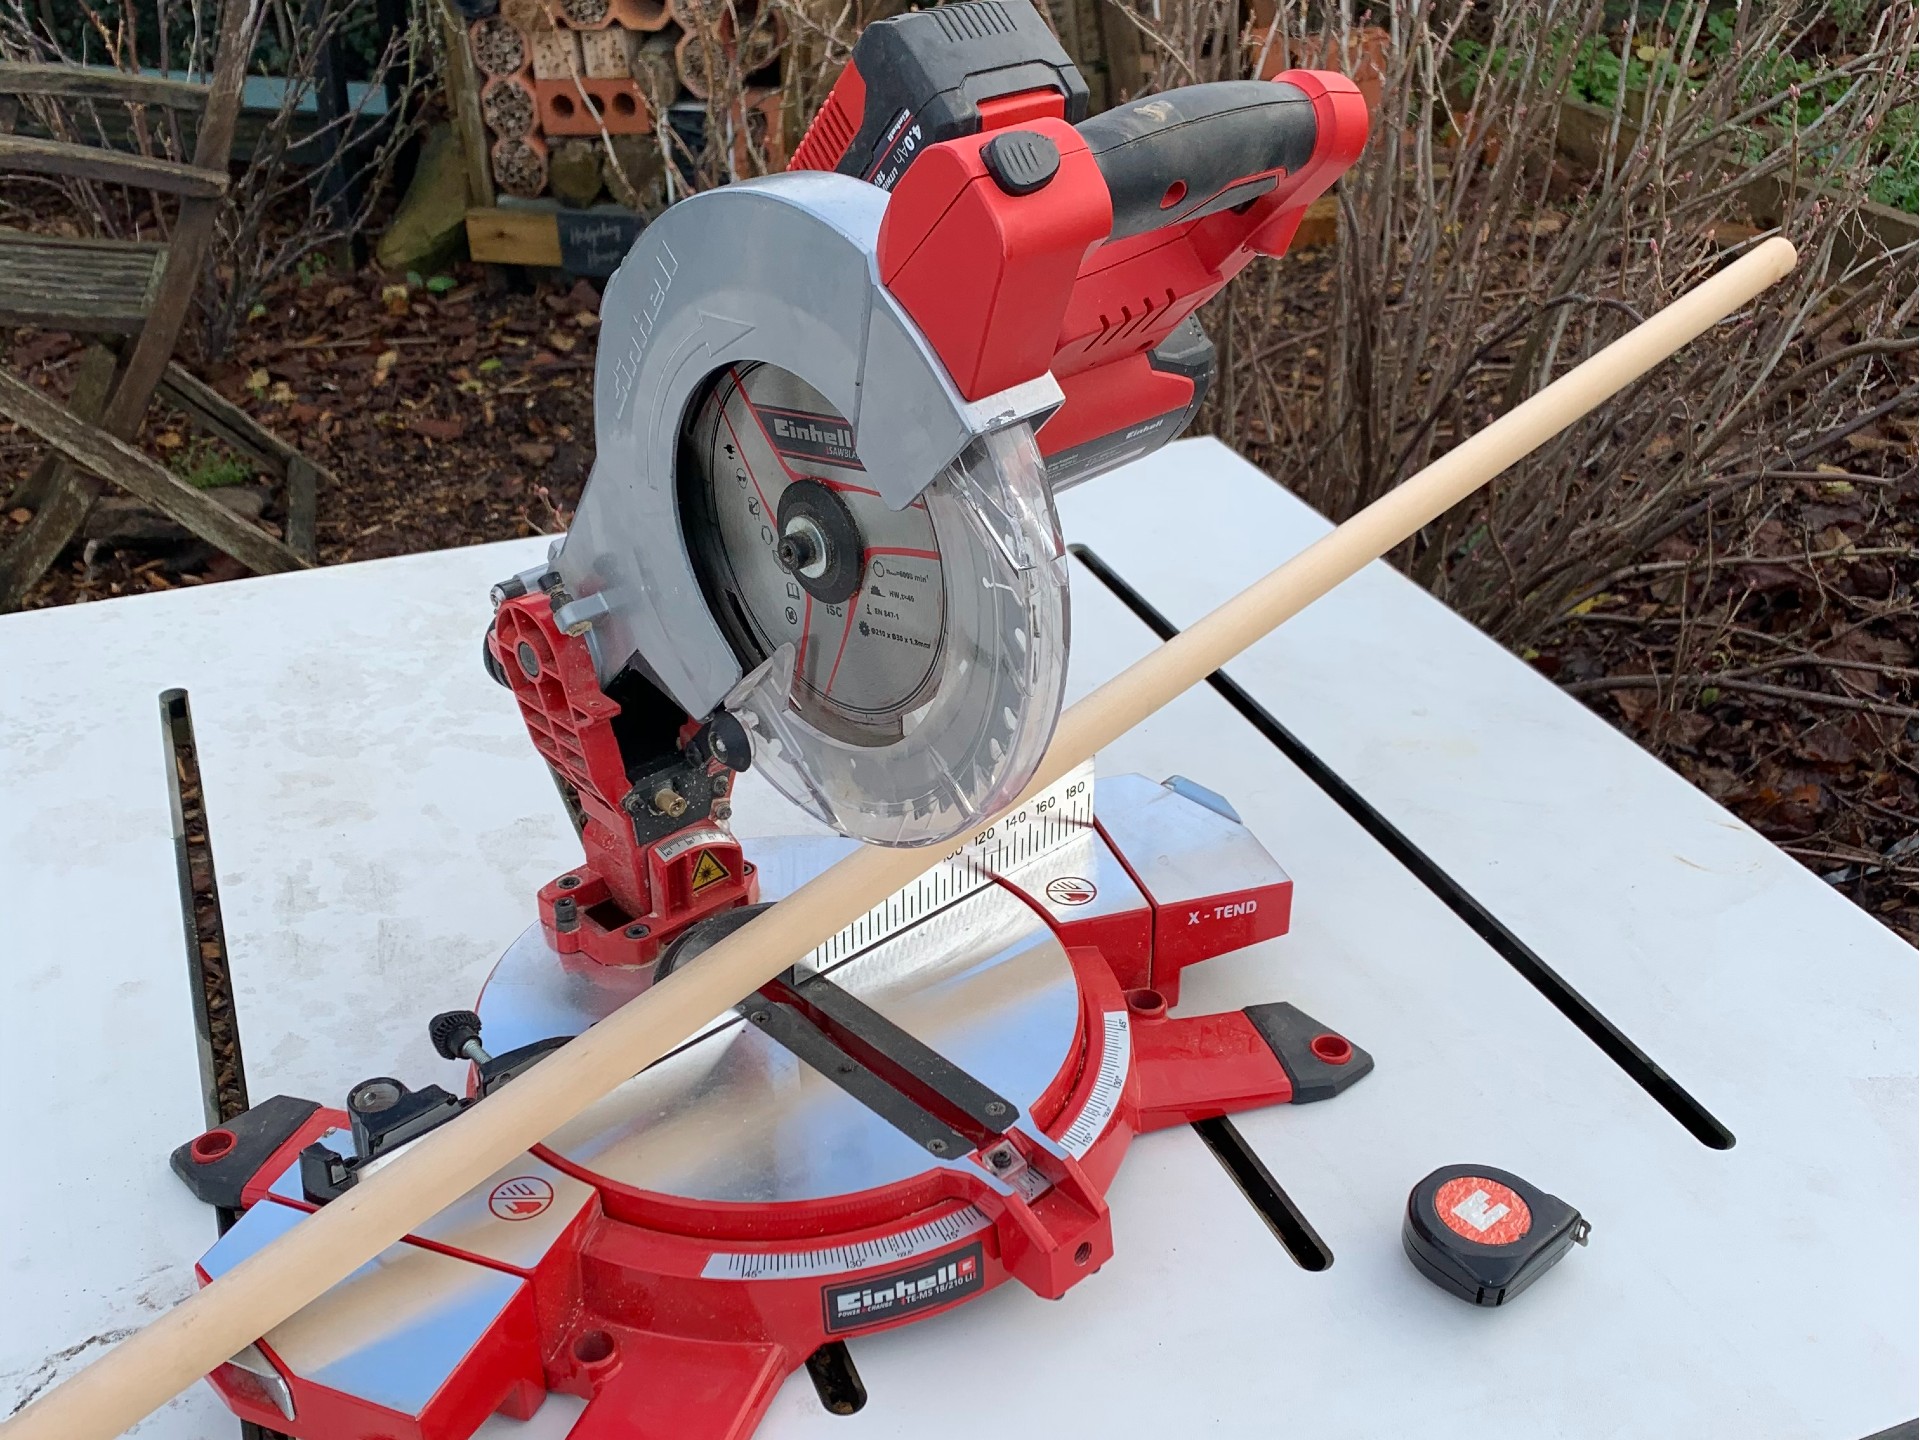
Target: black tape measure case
pixel 1485 1234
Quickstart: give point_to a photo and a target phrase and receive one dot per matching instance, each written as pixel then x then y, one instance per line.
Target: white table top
pixel 380 824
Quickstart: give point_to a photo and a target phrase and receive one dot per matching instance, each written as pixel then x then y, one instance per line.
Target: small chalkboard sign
pixel 594 242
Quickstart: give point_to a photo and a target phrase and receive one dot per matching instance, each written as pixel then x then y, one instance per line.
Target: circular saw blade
pixel 904 665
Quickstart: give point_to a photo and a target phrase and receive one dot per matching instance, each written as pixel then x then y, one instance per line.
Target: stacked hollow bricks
pixel 572 87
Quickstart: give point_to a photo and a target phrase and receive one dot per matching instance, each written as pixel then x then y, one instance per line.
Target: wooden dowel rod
pixel 197 1335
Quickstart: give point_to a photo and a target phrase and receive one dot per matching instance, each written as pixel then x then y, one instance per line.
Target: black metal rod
pixel 1671 1096
pixel 1284 1218
pixel 917 1070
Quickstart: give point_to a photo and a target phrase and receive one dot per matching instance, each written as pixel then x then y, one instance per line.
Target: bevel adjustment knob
pixel 452 1031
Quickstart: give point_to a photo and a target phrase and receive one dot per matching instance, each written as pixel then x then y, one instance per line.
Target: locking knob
pixel 456 1036
pixel 1021 161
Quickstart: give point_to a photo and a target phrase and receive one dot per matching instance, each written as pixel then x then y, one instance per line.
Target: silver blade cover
pixel 780 270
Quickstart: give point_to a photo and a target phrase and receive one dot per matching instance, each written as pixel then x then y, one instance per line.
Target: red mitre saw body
pixel 819 541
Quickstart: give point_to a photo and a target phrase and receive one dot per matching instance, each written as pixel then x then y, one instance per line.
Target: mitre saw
pixel 819 546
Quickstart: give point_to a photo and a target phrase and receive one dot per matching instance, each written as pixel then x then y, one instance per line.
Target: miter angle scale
pixel 832 409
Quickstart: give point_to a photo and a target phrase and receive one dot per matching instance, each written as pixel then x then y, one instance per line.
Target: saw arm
pixel 831 408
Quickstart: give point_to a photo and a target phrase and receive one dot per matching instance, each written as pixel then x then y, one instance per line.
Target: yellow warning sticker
pixel 708 870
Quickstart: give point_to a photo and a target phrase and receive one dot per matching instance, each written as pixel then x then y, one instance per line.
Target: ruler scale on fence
pixel 1055 817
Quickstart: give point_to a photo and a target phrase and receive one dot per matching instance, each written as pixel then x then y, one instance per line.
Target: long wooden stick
pixel 202 1332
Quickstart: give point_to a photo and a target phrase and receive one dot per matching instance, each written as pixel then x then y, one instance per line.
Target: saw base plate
pixel 676 1251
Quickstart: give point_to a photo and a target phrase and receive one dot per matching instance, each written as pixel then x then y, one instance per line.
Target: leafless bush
pixel 180 39
pixel 314 177
pixel 309 173
pixel 1475 261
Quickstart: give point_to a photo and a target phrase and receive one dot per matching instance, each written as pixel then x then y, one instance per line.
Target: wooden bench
pixel 94 287
pixel 136 296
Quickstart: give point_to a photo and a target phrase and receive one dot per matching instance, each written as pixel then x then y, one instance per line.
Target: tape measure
pixel 1485 1234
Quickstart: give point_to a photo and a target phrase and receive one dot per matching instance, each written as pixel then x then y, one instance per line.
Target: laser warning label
pixel 925 1286
pixel 708 870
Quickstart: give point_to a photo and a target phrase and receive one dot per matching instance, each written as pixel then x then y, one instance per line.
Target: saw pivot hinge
pixel 722 738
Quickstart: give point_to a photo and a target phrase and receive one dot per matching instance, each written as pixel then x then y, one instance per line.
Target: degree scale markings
pixel 1063 811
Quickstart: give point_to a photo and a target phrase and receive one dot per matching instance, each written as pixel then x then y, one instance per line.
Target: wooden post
pixel 463 101
pixel 91 381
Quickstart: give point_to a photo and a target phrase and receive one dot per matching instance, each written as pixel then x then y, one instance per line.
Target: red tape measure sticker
pixel 520 1198
pixel 1483 1211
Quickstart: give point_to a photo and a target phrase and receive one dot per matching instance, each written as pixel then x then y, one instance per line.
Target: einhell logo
pixel 810 437
pixel 939 1281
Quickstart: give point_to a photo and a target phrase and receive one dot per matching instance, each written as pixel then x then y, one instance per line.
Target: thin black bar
pixel 207 993
pixel 835 1381
pixel 919 1070
pixel 1667 1092
pixel 788 1027
pixel 1284 1218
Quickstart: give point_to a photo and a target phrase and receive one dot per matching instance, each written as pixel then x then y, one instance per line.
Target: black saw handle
pixel 1185 153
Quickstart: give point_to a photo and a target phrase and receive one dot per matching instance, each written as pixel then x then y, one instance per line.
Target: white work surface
pixel 380 824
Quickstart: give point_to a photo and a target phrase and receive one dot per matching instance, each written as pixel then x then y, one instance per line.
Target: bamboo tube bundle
pixel 232 1312
pixel 586 14
pixel 498 47
pixel 762 38
pixel 701 61
pixel 707 17
pixel 507 105
pixel 520 165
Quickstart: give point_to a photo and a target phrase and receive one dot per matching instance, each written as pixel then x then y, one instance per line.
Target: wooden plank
pixel 57 157
pixel 301 476
pixel 513 237
pixel 1121 45
pixel 463 101
pixel 1320 225
pixel 302 506
pixel 1583 133
pixel 97 82
pixel 92 286
pixel 144 478
pixel 213 412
